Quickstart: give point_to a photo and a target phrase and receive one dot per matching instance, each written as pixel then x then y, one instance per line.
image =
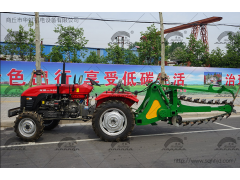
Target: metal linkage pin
pixel 185 123
pixel 203 101
pixel 196 100
pixel 192 123
pixel 224 101
pixel 182 97
pixel 210 101
pixel 214 119
pixel 221 117
pixel 227 116
pixel 217 101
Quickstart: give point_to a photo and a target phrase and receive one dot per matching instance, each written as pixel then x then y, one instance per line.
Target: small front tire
pixel 29 126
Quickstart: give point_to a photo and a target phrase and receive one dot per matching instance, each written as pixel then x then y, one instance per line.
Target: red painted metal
pixel 196 25
pixel 80 91
pixel 126 97
pixel 204 35
pixel 192 24
pixel 195 30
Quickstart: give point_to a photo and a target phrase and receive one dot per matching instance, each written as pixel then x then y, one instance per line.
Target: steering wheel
pixel 94 82
pixel 118 86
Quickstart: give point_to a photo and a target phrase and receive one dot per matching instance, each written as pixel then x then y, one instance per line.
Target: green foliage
pixel 173 48
pixel 93 58
pixel 132 45
pixel 22 43
pixel 115 54
pixel 103 60
pixel 118 55
pixel 150 46
pixel 55 54
pixel 216 58
pixel 195 52
pixel 130 57
pixel 31 43
pixel 71 41
pixel 232 58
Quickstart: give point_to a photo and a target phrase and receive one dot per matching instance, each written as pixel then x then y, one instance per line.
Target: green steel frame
pixel 170 105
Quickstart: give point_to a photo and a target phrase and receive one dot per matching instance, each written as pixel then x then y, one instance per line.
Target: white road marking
pixel 225 125
pixel 97 139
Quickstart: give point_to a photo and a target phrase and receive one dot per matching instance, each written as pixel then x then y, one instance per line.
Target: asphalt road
pixel 76 145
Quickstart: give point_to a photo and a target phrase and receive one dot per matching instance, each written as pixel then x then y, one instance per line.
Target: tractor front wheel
pixel 29 126
pixel 113 121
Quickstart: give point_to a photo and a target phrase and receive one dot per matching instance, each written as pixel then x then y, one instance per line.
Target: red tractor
pixel 42 107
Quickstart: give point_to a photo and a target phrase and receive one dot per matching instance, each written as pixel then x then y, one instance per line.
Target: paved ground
pixel 76 145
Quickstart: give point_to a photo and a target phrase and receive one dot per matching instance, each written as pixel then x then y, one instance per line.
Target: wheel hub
pixel 113 121
pixel 27 127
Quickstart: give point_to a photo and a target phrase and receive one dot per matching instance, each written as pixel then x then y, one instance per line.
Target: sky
pixel 99 33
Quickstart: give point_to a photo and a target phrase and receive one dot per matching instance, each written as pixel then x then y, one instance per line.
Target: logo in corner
pixel 227 144
pixel 174 144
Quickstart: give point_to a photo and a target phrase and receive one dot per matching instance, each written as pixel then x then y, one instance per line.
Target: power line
pixel 117 20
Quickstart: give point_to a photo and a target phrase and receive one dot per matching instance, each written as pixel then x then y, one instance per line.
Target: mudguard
pixel 126 97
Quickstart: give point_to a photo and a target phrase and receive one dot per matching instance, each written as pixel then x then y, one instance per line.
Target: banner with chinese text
pixel 15 75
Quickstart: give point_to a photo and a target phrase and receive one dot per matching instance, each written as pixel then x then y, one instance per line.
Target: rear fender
pixel 128 99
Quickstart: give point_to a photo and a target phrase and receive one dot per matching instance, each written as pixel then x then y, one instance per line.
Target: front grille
pixel 29 103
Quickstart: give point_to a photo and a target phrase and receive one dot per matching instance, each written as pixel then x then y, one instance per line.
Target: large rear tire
pixel 29 126
pixel 113 120
pixel 50 124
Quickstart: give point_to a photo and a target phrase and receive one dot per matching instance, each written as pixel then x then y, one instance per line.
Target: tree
pixel 55 54
pixel 22 43
pixel 150 46
pixel 21 39
pixel 31 43
pixel 93 58
pixel 173 47
pixel 132 45
pixel 103 60
pixel 130 57
pixel 195 53
pixel 216 58
pixel 71 41
pixel 232 58
pixel 115 54
pixel 118 55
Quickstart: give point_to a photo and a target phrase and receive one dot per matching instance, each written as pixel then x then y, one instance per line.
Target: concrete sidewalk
pixel 12 102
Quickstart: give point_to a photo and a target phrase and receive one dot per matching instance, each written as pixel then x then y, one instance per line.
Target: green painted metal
pixel 171 105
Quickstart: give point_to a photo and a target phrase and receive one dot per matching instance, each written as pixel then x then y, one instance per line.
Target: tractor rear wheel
pixel 29 126
pixel 50 124
pixel 113 120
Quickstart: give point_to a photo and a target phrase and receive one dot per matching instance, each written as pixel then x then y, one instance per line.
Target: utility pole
pixel 162 49
pixel 37 43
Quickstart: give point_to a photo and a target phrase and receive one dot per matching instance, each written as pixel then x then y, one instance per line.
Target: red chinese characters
pixel 34 78
pixel 58 75
pixel 180 79
pixel 230 80
pixel 15 75
pixel 91 74
pixel 239 79
pixel 111 76
pixel 128 78
pixel 146 77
